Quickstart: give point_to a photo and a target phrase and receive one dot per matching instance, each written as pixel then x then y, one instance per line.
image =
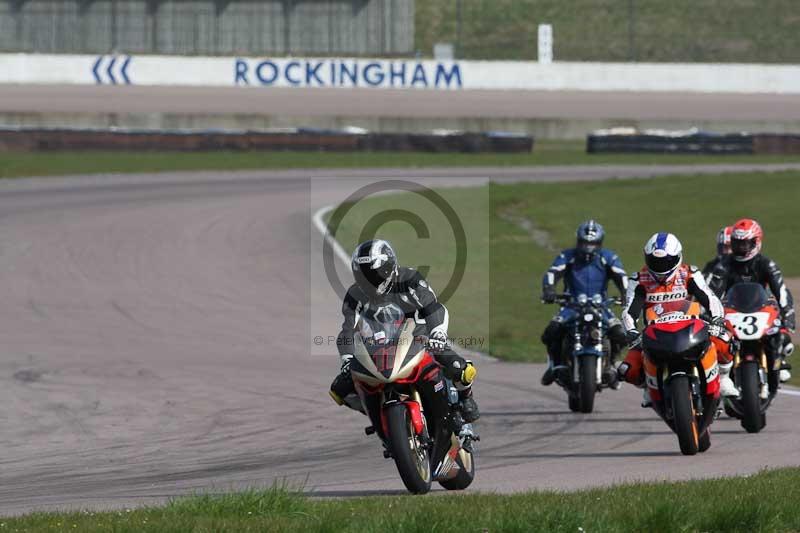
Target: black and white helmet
pixel 374 267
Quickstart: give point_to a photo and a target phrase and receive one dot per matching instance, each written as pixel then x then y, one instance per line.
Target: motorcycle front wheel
pixel 588 384
pixel 751 398
pixel 412 459
pixel 683 414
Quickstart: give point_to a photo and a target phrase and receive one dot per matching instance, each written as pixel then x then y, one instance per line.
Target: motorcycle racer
pixel 585 269
pixel 379 283
pixel 723 249
pixel 747 263
pixel 666 284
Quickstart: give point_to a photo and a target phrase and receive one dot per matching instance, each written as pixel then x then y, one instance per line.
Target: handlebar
pixel 568 298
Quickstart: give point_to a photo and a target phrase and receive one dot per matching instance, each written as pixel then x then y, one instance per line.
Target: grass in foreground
pixel 761 502
pixel 529 223
pixel 17 164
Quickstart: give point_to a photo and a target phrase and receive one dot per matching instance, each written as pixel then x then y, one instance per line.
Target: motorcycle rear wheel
pixel 704 441
pixel 464 477
pixel 413 461
pixel 683 415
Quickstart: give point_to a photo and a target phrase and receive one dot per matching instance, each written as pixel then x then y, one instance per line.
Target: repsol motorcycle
pixel 754 318
pixel 588 348
pixel 682 375
pixel 401 388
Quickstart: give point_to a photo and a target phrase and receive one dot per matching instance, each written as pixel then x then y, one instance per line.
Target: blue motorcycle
pixel 586 349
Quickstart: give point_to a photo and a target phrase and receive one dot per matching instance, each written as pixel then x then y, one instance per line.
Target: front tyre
pixel 751 398
pixel 462 480
pixel 683 415
pixel 588 385
pixel 412 460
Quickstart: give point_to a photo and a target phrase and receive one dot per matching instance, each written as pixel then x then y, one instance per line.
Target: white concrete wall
pixel 380 73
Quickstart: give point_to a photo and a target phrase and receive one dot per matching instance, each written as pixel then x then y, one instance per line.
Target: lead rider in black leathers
pixel 746 263
pixel 380 282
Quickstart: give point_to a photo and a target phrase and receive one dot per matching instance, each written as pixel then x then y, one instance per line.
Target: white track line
pixel 791 391
pixel 323 230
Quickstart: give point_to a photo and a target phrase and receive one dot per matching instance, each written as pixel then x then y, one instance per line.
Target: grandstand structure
pixel 209 27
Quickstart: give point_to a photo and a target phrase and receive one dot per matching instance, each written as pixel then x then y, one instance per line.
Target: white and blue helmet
pixel 663 254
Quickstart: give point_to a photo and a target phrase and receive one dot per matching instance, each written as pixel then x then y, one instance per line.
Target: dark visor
pixel 662 265
pixel 742 247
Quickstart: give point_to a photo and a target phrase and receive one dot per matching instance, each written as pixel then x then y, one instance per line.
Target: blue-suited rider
pixel 585 269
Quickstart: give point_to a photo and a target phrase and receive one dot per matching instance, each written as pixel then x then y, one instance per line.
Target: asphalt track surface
pixel 157 341
pixel 309 102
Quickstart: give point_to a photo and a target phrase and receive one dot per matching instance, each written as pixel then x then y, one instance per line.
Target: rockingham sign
pixel 347 73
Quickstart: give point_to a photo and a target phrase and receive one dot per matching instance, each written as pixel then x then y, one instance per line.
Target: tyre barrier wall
pixel 43 139
pixel 692 142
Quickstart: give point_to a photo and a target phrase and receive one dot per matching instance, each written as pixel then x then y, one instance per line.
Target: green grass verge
pixel 503 288
pixel 615 30
pixel 735 504
pixel 16 164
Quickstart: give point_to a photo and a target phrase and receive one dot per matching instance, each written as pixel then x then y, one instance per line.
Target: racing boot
pixel 552 371
pixel 468 406
pixel 647 401
pixel 341 386
pixel 726 386
pixel 785 374
pixel 610 376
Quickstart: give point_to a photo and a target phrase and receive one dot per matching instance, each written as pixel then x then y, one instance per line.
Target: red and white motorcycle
pixel 754 318
pixel 401 385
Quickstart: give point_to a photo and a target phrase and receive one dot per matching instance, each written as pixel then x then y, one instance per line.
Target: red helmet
pixel 746 239
pixel 724 240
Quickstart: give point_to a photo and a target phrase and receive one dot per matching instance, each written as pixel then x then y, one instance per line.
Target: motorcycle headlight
pixel 597 299
pixel 582 299
pixel 588 317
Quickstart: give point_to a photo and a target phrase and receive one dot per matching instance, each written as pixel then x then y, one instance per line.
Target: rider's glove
pixel 717 329
pixel 346 358
pixel 437 342
pixel 548 295
pixel 633 337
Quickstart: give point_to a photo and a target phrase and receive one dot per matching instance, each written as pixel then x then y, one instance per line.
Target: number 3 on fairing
pixel 748 325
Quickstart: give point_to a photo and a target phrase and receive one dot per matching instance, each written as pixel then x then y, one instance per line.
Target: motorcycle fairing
pixel 399 345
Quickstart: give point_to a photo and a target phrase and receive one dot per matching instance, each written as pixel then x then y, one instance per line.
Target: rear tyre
pixel 588 385
pixel 684 415
pixel 413 462
pixel 704 441
pixel 465 476
pixel 729 410
pixel 750 400
pixel 574 403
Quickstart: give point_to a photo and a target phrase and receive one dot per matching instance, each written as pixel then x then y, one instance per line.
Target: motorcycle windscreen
pixel 387 338
pixel 746 297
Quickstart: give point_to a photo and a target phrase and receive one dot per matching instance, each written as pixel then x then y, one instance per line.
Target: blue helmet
pixel 590 239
